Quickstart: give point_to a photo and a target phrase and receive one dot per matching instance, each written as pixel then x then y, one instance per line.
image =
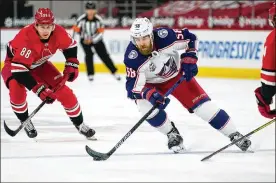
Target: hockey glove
pixel 44 93
pixel 71 69
pixel 154 97
pixel 188 65
pixel 263 105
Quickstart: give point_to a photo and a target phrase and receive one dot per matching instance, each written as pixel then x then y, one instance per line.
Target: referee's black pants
pixel 102 53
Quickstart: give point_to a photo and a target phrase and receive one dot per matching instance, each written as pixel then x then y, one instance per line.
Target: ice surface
pixel 59 153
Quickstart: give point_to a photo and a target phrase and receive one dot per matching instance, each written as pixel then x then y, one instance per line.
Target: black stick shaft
pixel 22 125
pixel 234 142
pixel 143 118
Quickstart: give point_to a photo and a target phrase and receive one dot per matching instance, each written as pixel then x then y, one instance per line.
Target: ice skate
pixel 30 130
pixel 91 78
pixel 86 131
pixel 243 144
pixel 175 141
pixel 117 77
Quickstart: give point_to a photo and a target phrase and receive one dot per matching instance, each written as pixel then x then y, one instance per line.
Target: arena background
pixel 231 33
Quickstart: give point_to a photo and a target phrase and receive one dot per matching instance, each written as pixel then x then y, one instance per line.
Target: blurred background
pixel 120 13
pixel 231 37
pixel 231 34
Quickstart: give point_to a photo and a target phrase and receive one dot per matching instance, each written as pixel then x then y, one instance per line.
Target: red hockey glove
pixel 44 93
pixel 264 107
pixel 71 69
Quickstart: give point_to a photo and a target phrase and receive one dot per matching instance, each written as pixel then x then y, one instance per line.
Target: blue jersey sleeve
pixel 131 76
pixel 132 60
pixel 192 45
pixel 163 37
pixel 190 38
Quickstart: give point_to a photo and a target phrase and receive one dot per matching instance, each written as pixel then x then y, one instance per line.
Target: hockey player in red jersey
pixel 265 93
pixel 27 66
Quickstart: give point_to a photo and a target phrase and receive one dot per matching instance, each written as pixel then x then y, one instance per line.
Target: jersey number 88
pixel 26 53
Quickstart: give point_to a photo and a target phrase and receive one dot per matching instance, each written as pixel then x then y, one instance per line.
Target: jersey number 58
pixel 178 33
pixel 130 72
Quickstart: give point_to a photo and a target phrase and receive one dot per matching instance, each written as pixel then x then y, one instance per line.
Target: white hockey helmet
pixel 141 27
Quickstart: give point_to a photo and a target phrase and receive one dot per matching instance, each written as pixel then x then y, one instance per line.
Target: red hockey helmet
pixel 272 15
pixel 44 16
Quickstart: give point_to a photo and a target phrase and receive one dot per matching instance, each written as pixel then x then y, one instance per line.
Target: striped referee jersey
pixel 89 29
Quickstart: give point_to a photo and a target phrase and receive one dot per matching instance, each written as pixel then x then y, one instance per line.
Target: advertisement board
pixel 230 50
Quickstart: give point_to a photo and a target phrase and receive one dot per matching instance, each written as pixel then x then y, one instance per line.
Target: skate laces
pixel 84 128
pixel 29 126
pixel 237 136
pixel 173 135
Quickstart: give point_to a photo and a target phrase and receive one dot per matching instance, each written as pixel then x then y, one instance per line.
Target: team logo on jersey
pixel 40 61
pixel 152 67
pixel 168 69
pixel 162 33
pixel 133 54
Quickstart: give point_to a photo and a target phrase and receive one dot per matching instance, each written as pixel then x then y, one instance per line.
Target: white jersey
pixel 162 65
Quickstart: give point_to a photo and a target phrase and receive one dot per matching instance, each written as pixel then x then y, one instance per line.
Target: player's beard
pixel 145 50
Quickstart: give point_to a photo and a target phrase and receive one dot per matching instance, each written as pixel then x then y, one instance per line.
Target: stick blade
pixel 203 159
pixel 97 156
pixel 8 130
pixel 211 155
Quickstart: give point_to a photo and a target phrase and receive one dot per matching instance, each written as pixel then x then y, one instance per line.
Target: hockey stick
pixel 22 125
pixel 104 156
pixel 234 142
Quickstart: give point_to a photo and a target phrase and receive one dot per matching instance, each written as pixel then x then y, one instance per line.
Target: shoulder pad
pixel 60 32
pixel 59 28
pixel 188 35
pixel 98 17
pixel 133 58
pixel 21 38
pixel 81 17
pixel 163 37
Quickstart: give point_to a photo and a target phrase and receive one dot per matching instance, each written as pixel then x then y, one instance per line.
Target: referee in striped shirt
pixel 90 28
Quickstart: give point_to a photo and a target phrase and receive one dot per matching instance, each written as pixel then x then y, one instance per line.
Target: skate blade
pixel 178 149
pixel 92 138
pixel 249 150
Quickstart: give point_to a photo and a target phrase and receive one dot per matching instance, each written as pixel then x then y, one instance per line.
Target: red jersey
pixel 268 72
pixel 30 52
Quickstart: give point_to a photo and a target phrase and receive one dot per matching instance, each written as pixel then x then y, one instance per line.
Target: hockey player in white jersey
pixel 153 64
